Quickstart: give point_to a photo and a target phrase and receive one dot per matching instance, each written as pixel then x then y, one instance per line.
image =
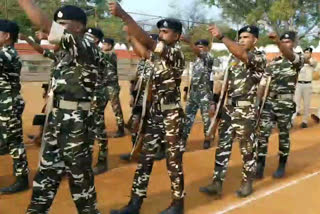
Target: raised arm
pixel 35 45
pixel 287 52
pixel 133 28
pixel 194 48
pixel 139 49
pixel 234 48
pixel 37 17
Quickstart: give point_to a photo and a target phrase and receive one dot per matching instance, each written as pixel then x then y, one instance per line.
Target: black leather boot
pixel 21 184
pixel 281 168
pixel 213 189
pixel 260 167
pixel 245 189
pixel 206 144
pixel 125 157
pixel 102 164
pixel 176 207
pixel 120 132
pixel 133 206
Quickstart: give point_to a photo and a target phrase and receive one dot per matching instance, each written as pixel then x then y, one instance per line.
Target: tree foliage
pixel 279 15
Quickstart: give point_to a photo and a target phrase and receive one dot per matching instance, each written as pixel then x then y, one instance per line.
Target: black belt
pixel 304 82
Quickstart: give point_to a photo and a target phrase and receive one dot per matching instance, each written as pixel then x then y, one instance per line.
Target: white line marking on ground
pixel 265 194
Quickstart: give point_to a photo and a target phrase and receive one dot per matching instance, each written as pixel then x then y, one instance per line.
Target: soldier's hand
pixel 212 110
pixel 185 38
pixel 115 9
pixel 215 31
pixel 274 37
pixel 41 35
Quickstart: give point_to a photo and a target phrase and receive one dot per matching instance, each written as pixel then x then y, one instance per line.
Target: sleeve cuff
pixel 159 47
pixel 56 33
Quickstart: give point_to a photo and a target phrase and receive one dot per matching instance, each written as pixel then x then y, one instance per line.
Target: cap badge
pixel 60 14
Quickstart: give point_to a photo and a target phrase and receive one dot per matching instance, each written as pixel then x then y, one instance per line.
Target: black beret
pixel 170 23
pixel 154 36
pixel 250 29
pixel 203 42
pixel 289 35
pixel 70 12
pixel 97 32
pixel 309 49
pixel 10 27
pixel 108 40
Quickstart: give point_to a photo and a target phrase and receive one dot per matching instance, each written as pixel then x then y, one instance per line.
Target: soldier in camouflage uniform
pixel 137 90
pixel 238 119
pixel 69 136
pixel 111 82
pixel 280 105
pixel 101 99
pixel 11 106
pixel 200 95
pixel 168 62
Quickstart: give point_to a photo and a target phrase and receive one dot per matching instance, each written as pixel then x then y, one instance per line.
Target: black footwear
pixel 101 166
pixel 125 157
pixel 315 118
pixel 133 206
pixel 21 184
pixel 213 189
pixel 176 207
pixel 260 167
pixel 281 168
pixel 119 133
pixel 298 114
pixel 304 125
pixel 206 144
pixel 245 189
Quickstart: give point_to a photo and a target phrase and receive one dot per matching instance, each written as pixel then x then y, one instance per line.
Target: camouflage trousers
pixel 236 122
pixel 68 142
pixel 276 112
pixel 198 99
pixel 113 95
pixel 158 126
pixel 11 133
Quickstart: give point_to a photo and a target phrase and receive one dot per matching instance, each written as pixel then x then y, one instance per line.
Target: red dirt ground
pixel 113 187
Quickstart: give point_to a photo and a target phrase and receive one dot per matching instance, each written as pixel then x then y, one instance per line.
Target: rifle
pixel 215 119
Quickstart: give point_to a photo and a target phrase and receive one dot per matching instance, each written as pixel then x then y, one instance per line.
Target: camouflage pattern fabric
pixel 239 121
pixel 109 92
pixel 69 136
pixel 279 110
pixel 168 64
pixel 201 95
pixel 11 109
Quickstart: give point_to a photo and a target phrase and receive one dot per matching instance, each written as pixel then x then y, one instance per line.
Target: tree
pixel 279 15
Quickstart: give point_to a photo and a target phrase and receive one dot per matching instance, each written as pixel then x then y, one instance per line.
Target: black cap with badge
pixel 249 29
pixel 10 27
pixel 202 42
pixel 170 23
pixel 108 40
pixel 289 35
pixel 97 32
pixel 70 12
pixel 309 49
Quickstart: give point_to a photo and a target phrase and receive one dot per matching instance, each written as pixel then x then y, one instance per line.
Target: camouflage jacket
pixel 202 69
pixel 284 74
pixel 245 78
pixel 111 74
pixel 168 63
pixel 144 68
pixel 10 69
pixel 79 72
